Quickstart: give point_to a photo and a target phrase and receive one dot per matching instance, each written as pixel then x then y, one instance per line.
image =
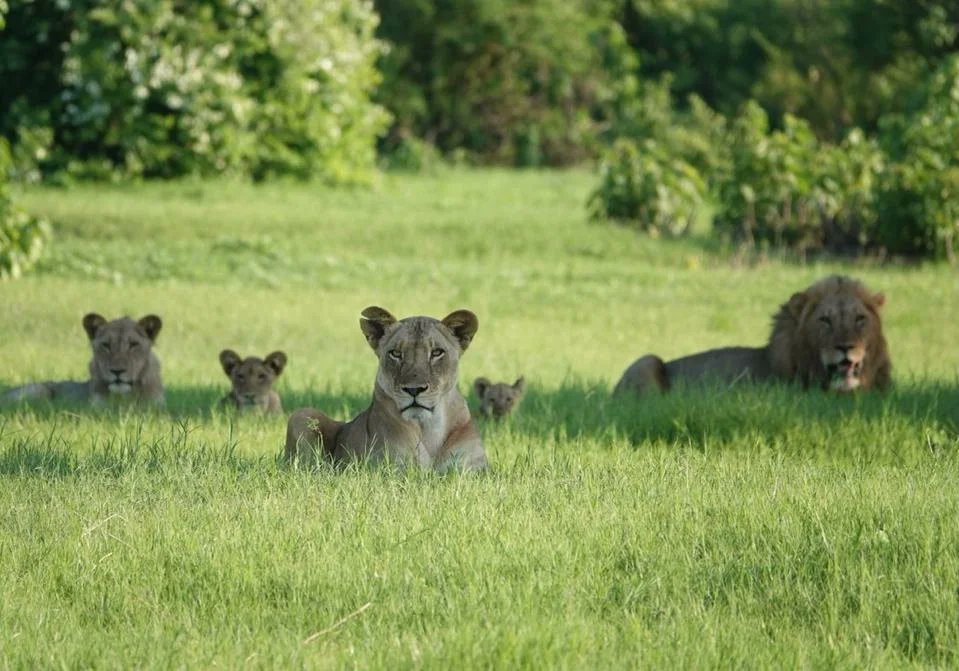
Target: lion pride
pixel 829 336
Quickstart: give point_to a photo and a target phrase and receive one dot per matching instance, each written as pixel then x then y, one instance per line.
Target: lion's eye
pixel 134 344
pixel 105 346
pixel 860 320
pixel 826 321
pixel 395 354
pixel 437 353
pixel 262 376
pixel 240 377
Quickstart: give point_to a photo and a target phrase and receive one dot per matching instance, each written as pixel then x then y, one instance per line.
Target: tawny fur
pixel 498 399
pixel 417 415
pixel 252 381
pixel 829 336
pixel 123 365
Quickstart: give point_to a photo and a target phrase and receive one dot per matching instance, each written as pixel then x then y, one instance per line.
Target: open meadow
pixel 764 527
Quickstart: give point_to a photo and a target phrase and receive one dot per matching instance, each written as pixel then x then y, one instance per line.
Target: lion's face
pixel 498 399
pixel 840 326
pixel 121 349
pixel 419 357
pixel 252 378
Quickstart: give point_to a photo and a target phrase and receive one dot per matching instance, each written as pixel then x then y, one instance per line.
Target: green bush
pixel 139 87
pixel 22 237
pixel 918 199
pixel 847 189
pixel 770 192
pixel 645 186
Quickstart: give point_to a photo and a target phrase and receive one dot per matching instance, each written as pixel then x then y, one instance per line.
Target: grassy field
pixel 752 528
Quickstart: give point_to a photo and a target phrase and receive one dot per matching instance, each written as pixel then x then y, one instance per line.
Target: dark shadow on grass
pixel 191 402
pixel 145 438
pixel 704 417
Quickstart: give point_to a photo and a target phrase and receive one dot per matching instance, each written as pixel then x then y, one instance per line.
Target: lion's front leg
pixel 310 437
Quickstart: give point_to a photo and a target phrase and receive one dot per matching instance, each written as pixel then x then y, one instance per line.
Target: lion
pixel 123 365
pixel 252 380
pixel 829 335
pixel 499 399
pixel 417 414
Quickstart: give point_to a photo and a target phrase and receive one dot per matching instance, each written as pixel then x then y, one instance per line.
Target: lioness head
pixel 833 334
pixel 121 350
pixel 419 357
pixel 498 400
pixel 252 377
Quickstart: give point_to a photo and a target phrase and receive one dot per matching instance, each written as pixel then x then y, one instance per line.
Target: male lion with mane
pixel 829 335
pixel 123 365
pixel 417 415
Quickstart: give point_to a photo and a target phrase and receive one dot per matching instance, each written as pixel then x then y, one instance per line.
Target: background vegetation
pixel 807 124
pixel 741 527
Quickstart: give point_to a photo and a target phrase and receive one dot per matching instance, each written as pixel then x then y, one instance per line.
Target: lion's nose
pixel 117 372
pixel 414 391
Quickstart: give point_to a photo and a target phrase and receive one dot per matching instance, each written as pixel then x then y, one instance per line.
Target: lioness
pixel 417 414
pixel 498 400
pixel 829 335
pixel 252 380
pixel 123 364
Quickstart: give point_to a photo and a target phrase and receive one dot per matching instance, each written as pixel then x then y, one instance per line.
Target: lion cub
pixel 252 380
pixel 123 365
pixel 498 400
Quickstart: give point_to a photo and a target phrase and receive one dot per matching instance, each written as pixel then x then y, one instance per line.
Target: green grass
pixel 745 528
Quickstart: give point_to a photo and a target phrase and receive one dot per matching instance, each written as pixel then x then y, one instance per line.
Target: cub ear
pixel 796 304
pixel 519 385
pixel 480 385
pixel 276 361
pixel 373 322
pixel 92 323
pixel 152 325
pixel 463 324
pixel 878 300
pixel 229 360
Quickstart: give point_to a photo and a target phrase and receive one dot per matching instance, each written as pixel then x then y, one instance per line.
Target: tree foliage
pixel 164 88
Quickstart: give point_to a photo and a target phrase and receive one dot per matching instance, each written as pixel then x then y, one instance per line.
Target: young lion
pixel 252 380
pixel 498 400
pixel 123 365
pixel 417 414
pixel 829 335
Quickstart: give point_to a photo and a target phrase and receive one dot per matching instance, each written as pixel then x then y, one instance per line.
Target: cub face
pixel 418 357
pixel 122 350
pixel 499 399
pixel 252 378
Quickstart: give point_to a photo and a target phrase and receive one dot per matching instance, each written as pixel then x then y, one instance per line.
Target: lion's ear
pixel 276 361
pixel 480 385
pixel 878 300
pixel 229 360
pixel 463 324
pixel 519 385
pixel 796 304
pixel 92 323
pixel 373 322
pixel 152 325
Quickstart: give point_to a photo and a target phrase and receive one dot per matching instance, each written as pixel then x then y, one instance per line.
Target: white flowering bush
pixel 157 88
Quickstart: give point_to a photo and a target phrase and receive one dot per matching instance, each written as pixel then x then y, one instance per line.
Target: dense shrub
pixel 918 198
pixel 22 237
pixel 522 83
pixel 645 186
pixel 769 194
pixel 139 87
